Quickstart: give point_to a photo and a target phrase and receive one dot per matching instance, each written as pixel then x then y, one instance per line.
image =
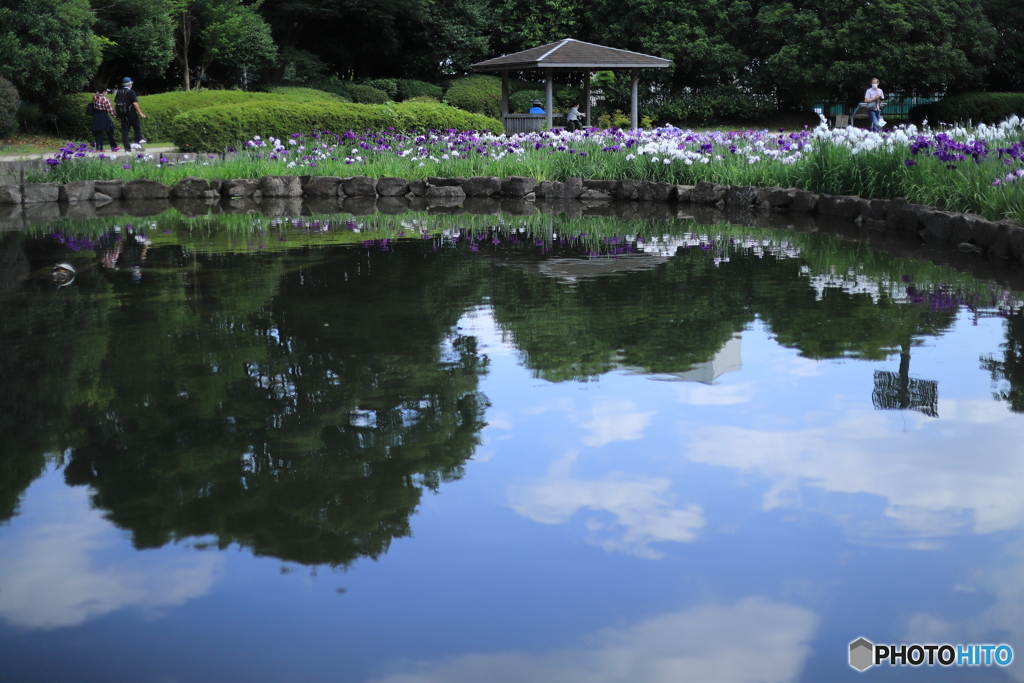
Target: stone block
pixel 321 186
pixel 571 188
pixel 77 191
pixel 839 206
pixel 651 191
pixel 518 186
pixel 241 205
pixel 740 195
pixel 684 193
pixel 100 199
pixel 445 193
pixel 287 207
pixel 418 188
pixel 937 225
pixel 359 206
pixel 281 186
pixel 804 202
pixel 190 187
pixel 1015 239
pixel 594 195
pixel 80 211
pixel 627 189
pixel 902 216
pixel 607 186
pixel 878 209
pixel 518 206
pixel 239 187
pixel 482 206
pixel 1000 248
pixel 41 212
pixel 783 198
pixel 10 194
pixel 706 192
pixel 359 186
pixel 764 194
pixel 481 186
pixel 37 193
pixel 963 228
pixel 111 188
pixel 147 207
pixel 392 187
pixel 145 189
pixel 435 181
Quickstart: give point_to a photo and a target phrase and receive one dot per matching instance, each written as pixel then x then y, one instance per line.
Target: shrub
pixel 388 86
pixel 364 94
pixel 520 102
pixel 478 94
pixel 215 128
pixel 721 104
pixel 408 89
pixel 975 107
pixel 9 101
pixel 160 110
pixel 424 98
pixel 300 94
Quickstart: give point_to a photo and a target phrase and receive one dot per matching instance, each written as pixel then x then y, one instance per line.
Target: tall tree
pixel 139 35
pixel 224 31
pixel 1006 70
pixel 47 47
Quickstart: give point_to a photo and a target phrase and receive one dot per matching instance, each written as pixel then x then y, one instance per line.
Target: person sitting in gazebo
pixel 536 108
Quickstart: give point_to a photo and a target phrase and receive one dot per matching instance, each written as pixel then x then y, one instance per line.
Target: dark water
pixel 431 449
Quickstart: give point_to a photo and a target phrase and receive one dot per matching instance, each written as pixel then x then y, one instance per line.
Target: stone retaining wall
pixel 969 233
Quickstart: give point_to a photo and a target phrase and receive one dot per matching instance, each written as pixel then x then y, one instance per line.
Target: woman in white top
pixel 573 118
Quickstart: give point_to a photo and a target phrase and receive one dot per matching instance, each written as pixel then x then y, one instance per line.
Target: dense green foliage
pixel 215 128
pixel 389 86
pixel 47 47
pixel 139 39
pixel 989 107
pixel 9 101
pixel 408 89
pixel 365 94
pixel 478 94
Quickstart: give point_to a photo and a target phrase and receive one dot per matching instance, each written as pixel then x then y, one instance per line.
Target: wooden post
pixel 586 98
pixel 549 94
pixel 504 95
pixel 634 121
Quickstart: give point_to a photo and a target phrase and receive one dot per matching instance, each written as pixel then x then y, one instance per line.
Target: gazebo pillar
pixel 586 98
pixel 634 122
pixel 549 94
pixel 504 95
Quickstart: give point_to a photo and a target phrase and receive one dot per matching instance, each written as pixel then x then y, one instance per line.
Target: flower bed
pixel 958 169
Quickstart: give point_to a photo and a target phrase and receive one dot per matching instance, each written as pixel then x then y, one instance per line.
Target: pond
pixel 424 448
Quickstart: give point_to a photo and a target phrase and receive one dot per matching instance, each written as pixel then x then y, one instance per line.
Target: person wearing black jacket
pixel 129 111
pixel 100 110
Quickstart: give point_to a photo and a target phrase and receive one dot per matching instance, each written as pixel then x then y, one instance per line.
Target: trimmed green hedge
pixel 215 128
pixel 365 94
pixel 477 94
pixel 300 94
pixel 408 89
pixel 160 110
pixel 975 107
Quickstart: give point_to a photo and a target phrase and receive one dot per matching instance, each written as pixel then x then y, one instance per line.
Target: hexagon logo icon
pixel 862 654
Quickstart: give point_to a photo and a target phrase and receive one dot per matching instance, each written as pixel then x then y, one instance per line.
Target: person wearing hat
pixel 536 108
pixel 129 112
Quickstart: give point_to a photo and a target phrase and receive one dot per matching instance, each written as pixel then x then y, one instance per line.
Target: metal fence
pixel 897 105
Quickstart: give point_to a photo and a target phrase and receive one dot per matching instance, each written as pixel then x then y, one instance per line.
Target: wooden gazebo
pixel 571 55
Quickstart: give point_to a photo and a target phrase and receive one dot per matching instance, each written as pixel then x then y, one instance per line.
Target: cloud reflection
pixel 50 574
pixel 754 640
pixel 937 477
pixel 640 508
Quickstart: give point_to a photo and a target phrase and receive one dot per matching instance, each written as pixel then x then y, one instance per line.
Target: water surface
pixel 427 448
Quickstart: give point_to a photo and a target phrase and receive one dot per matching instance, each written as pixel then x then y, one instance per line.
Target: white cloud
pixel 716 394
pixel 641 512
pixel 50 573
pixel 751 641
pixel 937 477
pixel 614 421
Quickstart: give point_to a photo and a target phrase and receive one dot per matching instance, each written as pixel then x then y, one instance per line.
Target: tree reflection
pixel 297 408
pixel 1008 372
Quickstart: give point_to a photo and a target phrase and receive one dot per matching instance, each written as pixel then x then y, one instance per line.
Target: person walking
pixel 101 110
pixel 874 97
pixel 573 118
pixel 128 110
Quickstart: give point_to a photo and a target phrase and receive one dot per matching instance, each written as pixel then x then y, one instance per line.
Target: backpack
pixel 123 106
pixel 90 109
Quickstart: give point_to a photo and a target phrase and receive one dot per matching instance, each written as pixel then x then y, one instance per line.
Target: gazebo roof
pixel 572 54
